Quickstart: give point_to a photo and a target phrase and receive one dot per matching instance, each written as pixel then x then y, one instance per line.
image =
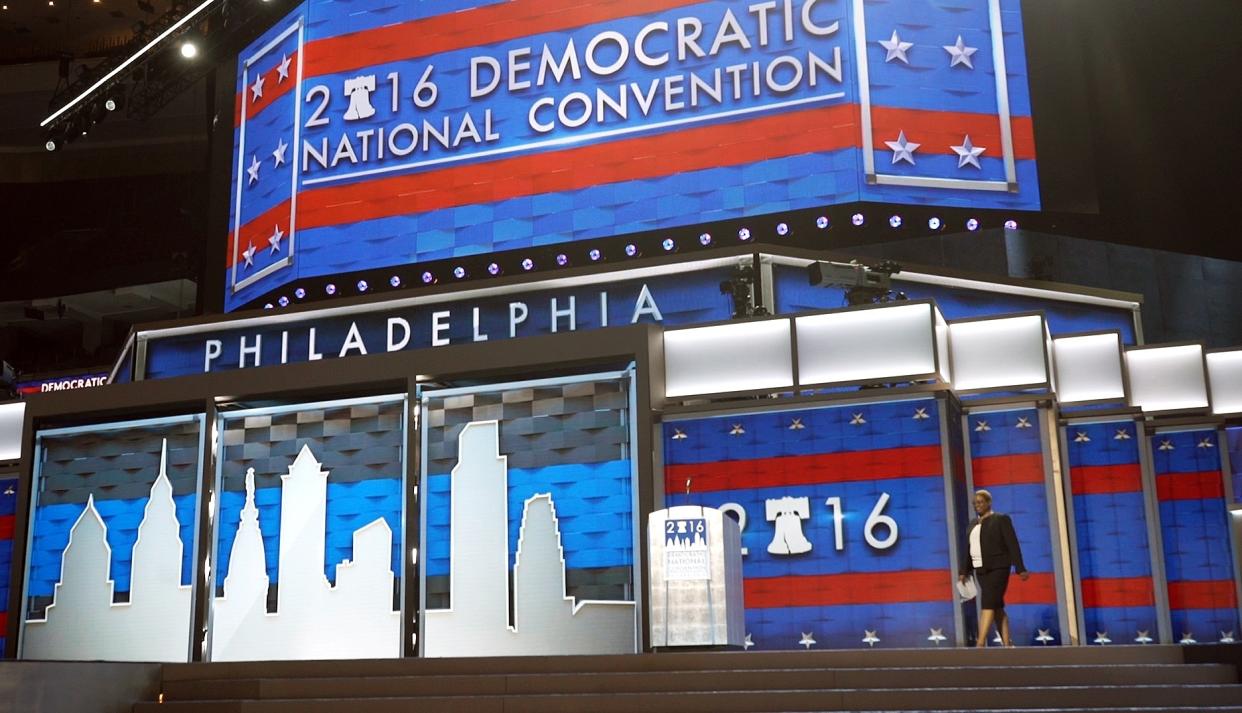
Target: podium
pixel 695 582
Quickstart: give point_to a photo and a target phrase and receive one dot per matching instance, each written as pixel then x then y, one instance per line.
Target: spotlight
pixel 705 239
pixel 972 224
pixel 562 259
pixel 934 223
pixel 395 280
pixel 428 278
pixel 189 50
pixel 631 250
pixel 743 234
pixel 300 293
pixel 112 104
pixel 363 286
pixel 493 269
pixel 52 143
pixel 595 255
pixel 269 305
pixel 858 219
pixel 1011 224
pixel 459 272
pixel 528 264
pixel 822 222
pixel 283 301
pixel 782 229
pixel 894 221
pixel 330 289
pixel 669 245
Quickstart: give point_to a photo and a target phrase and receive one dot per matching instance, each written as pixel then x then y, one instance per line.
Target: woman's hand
pixel 1024 575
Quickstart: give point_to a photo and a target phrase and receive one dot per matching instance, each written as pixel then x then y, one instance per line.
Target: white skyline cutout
pixel 313 619
pixel 546 620
pixel 83 623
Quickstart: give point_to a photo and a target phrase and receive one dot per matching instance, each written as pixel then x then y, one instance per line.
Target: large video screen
pixel 370 133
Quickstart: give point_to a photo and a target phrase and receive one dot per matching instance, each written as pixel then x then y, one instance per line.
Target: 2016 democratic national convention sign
pixel 377 133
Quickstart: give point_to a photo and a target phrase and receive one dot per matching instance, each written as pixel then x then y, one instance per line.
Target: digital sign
pixel 369 134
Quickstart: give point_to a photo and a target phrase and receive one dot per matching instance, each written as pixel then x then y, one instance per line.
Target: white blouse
pixel 976 551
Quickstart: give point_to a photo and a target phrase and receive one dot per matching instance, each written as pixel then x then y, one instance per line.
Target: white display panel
pixel 1089 368
pixel 1167 378
pixel 1225 377
pixel 745 356
pixel 885 343
pixel 999 353
pixel 12 419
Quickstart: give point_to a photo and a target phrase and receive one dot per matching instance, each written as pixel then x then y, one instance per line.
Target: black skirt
pixel 992 586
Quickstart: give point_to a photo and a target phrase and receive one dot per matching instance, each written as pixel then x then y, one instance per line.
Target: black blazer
pixel 999 544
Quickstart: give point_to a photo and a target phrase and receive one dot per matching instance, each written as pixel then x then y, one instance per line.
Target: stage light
pixel 363 286
pixel 269 305
pixel 934 223
pixel 300 293
pixel 822 222
pixel 894 221
pixel 562 259
pixel 595 255
pixel 669 245
pixel 858 219
pixel 782 229
pixel 1011 224
pixel 330 289
pixel 493 269
pixel 52 143
pixel 283 301
pixel 528 264
pixel 395 280
pixel 972 224
pixel 631 250
pixel 110 104
pixel 428 278
pixel 459 272
pixel 743 234
pixel 705 239
pixel 189 50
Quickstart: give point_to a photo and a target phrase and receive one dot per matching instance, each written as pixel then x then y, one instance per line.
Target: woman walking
pixel 994 550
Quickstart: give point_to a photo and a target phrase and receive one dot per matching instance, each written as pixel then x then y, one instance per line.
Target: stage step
pixel 1097 679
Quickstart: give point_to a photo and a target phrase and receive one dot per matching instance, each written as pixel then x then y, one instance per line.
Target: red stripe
pixel 1038 589
pixel 858 588
pixel 936 131
pixel 257 231
pixel 803 470
pixel 469 28
pixel 1017 469
pixel 4 622
pixel 1215 594
pixel 1190 486
pixel 6 527
pixel 1099 479
pixel 273 89
pixel 1118 592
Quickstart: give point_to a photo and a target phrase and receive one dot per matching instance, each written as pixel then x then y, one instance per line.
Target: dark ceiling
pixel 44 29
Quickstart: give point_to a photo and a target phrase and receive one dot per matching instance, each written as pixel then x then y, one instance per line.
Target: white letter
pixel 557 314
pixel 613 68
pixel 516 308
pixel 393 344
pixel 476 90
pixel 761 9
pixel 640 51
pixel 439 323
pixel 244 350
pixel 569 60
pixel 353 340
pixel 688 31
pixel 518 65
pixel 211 352
pixel 811 27
pixel 312 354
pixel 478 336
pixel 535 123
pixel 645 304
pixel 729 31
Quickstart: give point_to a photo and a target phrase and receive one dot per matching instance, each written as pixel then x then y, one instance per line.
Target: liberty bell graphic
pixel 359 91
pixel 788 513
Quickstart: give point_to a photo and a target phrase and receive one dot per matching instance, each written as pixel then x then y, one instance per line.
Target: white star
pixel 1082 437
pixel 1122 435
pixel 807 639
pixel 274 241
pixel 279 153
pixel 1143 637
pixel 857 420
pixel 1101 637
pixel 1226 637
pixel 253 170
pixel 737 430
pixel 256 89
pixel 1045 635
pixel 1188 638
pixel 1023 422
pixel 968 154
pixel 982 426
pixel 796 425
pixel 920 414
pixel 248 255
pixel 1206 443
pixel 903 150
pixel 937 635
pixel 679 435
pixel 282 71
pixel 749 642
pixel 1165 445
pixel 869 638
pixel 960 53
pixel 896 48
